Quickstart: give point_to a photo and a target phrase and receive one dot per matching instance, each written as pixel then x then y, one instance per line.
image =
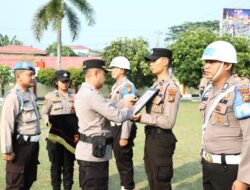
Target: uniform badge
pixel 45 102
pixel 72 109
pixel 218 108
pixel 218 118
pixel 65 75
pixel 155 108
pixel 128 88
pixel 171 94
pixel 243 90
pixel 246 97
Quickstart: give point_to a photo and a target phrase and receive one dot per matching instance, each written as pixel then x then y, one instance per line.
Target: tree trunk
pixel 2 91
pixel 59 47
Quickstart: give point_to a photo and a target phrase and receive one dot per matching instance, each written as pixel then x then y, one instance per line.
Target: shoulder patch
pixel 129 88
pixel 171 94
pixel 241 104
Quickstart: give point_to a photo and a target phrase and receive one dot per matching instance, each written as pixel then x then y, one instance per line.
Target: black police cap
pixel 62 75
pixel 94 64
pixel 159 52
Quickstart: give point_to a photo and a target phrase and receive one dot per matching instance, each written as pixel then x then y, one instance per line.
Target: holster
pixel 99 146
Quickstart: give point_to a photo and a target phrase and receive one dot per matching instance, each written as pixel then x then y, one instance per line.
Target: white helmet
pixel 120 62
pixel 221 51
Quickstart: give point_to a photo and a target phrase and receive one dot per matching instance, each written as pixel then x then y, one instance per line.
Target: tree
pixel 187 52
pixel 76 76
pixel 66 51
pixel 5 41
pixel 46 76
pixel 189 47
pixel 5 76
pixel 134 50
pixel 54 12
pixel 175 31
pixel 242 47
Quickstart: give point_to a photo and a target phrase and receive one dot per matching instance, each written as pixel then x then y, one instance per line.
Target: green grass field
pixel 187 168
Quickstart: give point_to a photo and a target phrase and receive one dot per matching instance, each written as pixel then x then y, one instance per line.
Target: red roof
pixel 78 47
pixel 50 61
pixel 21 50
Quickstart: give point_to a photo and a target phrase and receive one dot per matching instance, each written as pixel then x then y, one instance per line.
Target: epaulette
pixel 19 97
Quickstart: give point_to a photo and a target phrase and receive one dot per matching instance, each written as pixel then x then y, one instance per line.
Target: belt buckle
pixel 208 158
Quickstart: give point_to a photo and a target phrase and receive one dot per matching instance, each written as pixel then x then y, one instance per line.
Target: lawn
pixel 187 169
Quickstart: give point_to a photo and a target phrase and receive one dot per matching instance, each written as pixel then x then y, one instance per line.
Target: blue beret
pixel 25 66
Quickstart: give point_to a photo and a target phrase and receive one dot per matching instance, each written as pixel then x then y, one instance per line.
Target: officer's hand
pixel 238 185
pixel 127 102
pixel 123 142
pixel 137 117
pixel 9 156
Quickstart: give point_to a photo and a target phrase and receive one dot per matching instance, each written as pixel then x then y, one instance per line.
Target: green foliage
pixel 46 76
pixel 242 47
pixel 134 50
pixel 5 76
pixel 175 31
pixel 76 76
pixel 66 51
pixel 187 52
pixel 55 11
pixel 5 41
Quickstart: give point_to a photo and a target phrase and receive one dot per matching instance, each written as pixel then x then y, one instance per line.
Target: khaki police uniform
pixel 226 142
pixel 20 130
pixel 160 141
pixel 62 160
pixel 93 112
pixel 125 130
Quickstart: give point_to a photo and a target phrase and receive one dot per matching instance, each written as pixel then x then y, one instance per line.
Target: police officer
pixel 58 102
pixel 20 130
pixel 123 133
pixel 226 128
pixel 160 118
pixel 93 150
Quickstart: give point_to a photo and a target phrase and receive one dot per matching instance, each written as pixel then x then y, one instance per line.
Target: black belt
pixel 150 130
pixel 89 139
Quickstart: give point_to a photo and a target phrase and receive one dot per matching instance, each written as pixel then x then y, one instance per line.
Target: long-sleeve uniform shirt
pixel 94 112
pixel 225 134
pixel 118 92
pixel 19 112
pixel 162 111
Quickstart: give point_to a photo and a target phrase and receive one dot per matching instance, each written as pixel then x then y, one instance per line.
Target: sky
pixel 115 19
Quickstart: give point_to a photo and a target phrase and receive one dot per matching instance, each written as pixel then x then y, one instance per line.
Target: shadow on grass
pixel 188 176
pixel 139 177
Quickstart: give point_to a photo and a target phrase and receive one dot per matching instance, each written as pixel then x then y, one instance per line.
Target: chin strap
pixel 217 73
pixel 115 75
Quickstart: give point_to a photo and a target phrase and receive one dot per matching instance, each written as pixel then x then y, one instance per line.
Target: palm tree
pixel 5 41
pixel 53 13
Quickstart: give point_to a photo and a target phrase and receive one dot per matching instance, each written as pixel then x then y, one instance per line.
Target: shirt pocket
pixel 29 114
pixel 57 106
pixel 220 116
pixel 157 104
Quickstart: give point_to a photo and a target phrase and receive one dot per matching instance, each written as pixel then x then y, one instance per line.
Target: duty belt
pixel 21 139
pixel 89 139
pixel 150 130
pixel 221 159
pixel 113 124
